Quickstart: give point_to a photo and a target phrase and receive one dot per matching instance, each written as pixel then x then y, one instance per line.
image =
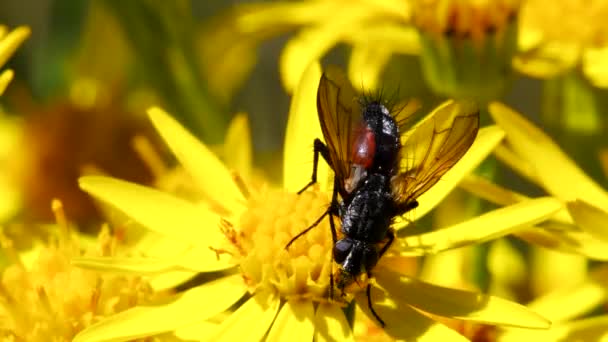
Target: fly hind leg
pixel 369 302
pixel 319 148
pixel 391 237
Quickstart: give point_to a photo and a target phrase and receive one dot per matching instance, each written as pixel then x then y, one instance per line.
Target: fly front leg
pixel 319 148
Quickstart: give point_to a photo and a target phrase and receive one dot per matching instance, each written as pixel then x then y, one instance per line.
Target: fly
pixel 377 177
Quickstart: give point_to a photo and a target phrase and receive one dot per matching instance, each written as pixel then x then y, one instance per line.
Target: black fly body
pixel 376 178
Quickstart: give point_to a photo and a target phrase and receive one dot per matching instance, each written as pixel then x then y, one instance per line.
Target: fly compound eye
pixel 341 250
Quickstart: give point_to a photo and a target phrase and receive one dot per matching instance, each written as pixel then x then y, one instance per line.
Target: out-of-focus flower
pixel 533 155
pixel 56 143
pixel 566 35
pixel 374 28
pixel 46 298
pixel 240 233
pixel 467 45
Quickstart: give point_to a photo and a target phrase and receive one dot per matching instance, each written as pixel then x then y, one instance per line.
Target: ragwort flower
pixel 237 236
pixel 45 298
pixel 579 228
pixel 564 36
pixel 465 46
pixel 375 29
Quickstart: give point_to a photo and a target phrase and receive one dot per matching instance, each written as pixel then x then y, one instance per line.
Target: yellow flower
pixel 467 45
pixel 568 34
pixel 237 236
pixel 45 298
pixel 374 28
pixel 533 155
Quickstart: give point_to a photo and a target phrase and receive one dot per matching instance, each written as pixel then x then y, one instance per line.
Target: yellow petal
pixel 312 43
pixel 193 305
pixel 302 128
pixel 10 42
pixel 497 194
pixel 126 265
pixel 277 15
pixel 198 331
pixel 169 280
pixel 5 78
pixel 162 213
pixel 558 174
pixel 294 322
pixel 486 141
pixel 398 8
pixel 404 323
pixel 396 38
pixel 249 322
pixel 459 304
pixel 237 146
pixel 589 329
pixel 210 174
pixel 590 218
pixel 548 60
pixel 491 225
pixel 595 66
pixel 570 302
pixel 331 324
pixel 571 241
pixel 366 64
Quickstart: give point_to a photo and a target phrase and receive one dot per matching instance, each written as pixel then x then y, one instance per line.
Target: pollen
pixel 258 243
pixel 48 299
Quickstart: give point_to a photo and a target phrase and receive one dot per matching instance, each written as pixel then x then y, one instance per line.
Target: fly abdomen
pixel 367 217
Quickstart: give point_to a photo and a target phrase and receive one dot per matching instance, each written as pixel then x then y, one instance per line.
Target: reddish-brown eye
pixel 364 147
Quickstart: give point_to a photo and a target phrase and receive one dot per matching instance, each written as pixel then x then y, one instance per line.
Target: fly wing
pixel 405 112
pixel 339 115
pixel 433 146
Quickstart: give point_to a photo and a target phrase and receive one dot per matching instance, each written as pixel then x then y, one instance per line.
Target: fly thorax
pixel 386 137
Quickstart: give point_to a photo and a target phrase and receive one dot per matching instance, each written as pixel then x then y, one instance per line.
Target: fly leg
pixel 319 148
pixel 316 223
pixel 334 211
pixel 391 238
pixel 369 302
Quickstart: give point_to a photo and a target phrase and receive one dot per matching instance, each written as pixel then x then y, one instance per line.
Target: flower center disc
pixel 258 244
